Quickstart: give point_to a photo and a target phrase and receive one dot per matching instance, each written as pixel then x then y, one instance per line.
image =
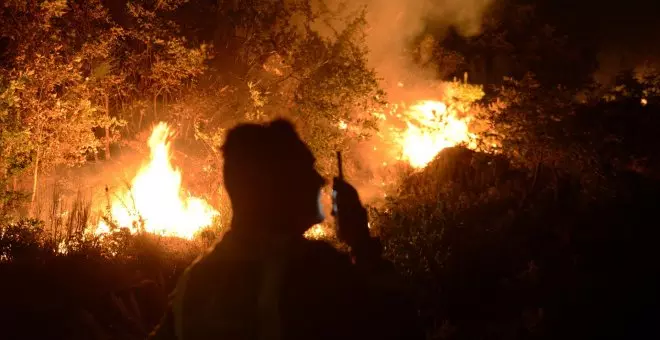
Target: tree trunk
pixel 155 112
pixel 107 127
pixel 532 189
pixel 3 178
pixel 187 128
pixel 34 184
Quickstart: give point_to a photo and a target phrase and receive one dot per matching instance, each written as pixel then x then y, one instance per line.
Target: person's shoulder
pixel 206 262
pixel 199 274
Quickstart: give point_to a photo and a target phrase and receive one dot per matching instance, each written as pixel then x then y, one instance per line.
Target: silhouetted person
pixel 264 280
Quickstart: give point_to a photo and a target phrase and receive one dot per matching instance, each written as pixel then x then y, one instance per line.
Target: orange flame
pixel 432 127
pixel 156 201
pixel 317 232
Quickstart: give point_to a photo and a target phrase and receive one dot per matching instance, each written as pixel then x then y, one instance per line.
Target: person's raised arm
pixel 390 303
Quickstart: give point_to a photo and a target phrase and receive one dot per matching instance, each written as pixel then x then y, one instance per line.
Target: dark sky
pixel 625 33
pixel 611 25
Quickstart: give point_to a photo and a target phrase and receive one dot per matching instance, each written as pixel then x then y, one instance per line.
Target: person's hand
pixel 351 216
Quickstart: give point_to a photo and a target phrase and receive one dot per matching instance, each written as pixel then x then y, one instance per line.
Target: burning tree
pixel 70 69
pixel 48 114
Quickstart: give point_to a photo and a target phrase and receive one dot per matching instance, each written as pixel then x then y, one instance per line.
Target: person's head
pixel 270 177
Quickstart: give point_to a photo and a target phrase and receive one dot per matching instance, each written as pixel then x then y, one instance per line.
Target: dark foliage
pixel 493 252
pixel 115 288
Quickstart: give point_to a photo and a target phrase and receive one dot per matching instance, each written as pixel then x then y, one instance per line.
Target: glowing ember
pixel 62 248
pixel 156 201
pixel 431 127
pixel 317 232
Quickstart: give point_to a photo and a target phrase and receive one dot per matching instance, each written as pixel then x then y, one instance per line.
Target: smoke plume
pixel 396 28
pixel 395 25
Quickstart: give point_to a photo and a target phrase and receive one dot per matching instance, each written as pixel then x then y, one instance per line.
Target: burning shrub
pixel 155 201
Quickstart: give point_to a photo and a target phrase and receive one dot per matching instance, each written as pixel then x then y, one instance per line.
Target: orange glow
pixel 156 201
pixel 431 127
pixel 317 232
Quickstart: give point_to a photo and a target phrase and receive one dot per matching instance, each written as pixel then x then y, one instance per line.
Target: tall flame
pixel 156 201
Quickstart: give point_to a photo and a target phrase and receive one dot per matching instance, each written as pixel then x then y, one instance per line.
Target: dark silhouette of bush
pixel 110 288
pixel 490 251
pixel 497 252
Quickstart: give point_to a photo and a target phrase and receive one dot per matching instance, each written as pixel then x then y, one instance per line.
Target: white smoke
pixel 393 26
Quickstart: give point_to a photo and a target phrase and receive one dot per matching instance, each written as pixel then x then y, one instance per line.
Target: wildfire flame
pixel 431 127
pixel 317 232
pixel 156 201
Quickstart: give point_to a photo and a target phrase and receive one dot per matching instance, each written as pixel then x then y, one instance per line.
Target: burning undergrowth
pixel 147 190
pixel 155 201
pixel 415 126
pixel 422 117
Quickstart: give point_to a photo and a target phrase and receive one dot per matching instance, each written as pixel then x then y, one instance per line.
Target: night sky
pixel 624 33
